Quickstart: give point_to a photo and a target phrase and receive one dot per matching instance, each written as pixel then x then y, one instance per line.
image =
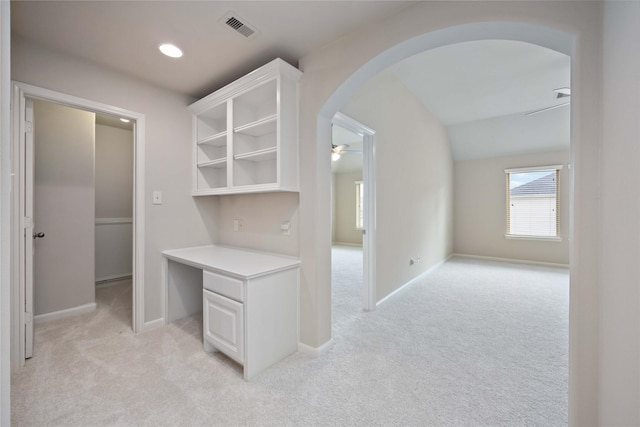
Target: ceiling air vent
pixel 239 25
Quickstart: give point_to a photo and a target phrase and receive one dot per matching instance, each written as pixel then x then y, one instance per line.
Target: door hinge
pixel 28 317
pixel 28 126
pixel 27 222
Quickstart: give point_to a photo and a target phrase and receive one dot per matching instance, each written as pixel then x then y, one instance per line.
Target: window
pixel 533 202
pixel 359 205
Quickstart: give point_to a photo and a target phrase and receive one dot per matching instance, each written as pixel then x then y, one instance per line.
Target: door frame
pixel 369 215
pixel 20 92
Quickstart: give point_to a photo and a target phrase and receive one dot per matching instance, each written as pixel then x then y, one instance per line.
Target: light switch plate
pixel 157 197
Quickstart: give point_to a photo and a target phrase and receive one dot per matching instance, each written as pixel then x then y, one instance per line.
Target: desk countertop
pixel 241 263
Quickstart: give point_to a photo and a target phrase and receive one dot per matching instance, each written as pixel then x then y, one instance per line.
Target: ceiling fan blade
pixel 553 107
pixel 339 148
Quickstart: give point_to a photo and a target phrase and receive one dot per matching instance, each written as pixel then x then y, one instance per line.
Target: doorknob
pixel 39 235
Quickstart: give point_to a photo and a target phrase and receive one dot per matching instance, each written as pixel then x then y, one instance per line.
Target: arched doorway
pixel 338 85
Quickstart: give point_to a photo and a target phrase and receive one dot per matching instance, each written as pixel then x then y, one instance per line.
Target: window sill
pixel 539 238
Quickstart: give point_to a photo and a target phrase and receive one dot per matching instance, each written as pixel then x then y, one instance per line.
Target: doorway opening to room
pixel 352 217
pixel 468 136
pixel 80 174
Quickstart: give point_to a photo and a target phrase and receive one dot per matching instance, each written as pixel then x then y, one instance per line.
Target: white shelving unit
pixel 245 134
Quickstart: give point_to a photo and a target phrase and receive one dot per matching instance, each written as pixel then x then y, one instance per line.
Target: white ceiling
pixel 483 79
pixel 124 35
pixel 482 90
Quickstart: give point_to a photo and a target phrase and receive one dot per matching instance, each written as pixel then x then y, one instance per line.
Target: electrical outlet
pixel 286 228
pixel 238 225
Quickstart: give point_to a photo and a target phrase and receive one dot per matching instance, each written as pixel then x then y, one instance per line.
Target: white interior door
pixel 64 209
pixel 29 227
pixel 58 199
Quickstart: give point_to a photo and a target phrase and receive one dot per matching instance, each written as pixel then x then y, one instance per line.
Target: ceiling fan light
pixel 335 156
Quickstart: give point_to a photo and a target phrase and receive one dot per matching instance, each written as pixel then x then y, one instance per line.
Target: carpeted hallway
pixel 475 343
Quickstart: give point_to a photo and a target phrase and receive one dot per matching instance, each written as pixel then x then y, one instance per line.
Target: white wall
pixel 114 197
pixel 480 209
pixel 5 185
pixel 619 376
pixel 261 215
pixel 64 207
pixel 181 220
pixel 344 203
pixel 337 70
pixel 114 172
pixel 414 181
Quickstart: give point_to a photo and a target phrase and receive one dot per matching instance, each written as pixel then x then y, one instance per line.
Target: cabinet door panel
pixel 223 321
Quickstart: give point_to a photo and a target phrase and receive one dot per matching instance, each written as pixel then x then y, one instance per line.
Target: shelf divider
pixel 258 155
pixel 218 139
pixel 217 163
pixel 259 127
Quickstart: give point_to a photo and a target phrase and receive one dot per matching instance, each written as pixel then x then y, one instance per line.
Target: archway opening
pixel 544 37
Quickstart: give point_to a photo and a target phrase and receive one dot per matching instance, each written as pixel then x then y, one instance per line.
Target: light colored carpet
pixel 346 285
pixel 475 343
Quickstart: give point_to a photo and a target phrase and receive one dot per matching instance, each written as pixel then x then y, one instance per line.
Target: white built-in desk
pixel 248 299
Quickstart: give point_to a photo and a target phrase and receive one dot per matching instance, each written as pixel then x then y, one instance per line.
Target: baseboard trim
pixel 153 324
pixel 415 279
pixel 315 351
pixel 517 261
pixel 355 245
pixel 104 282
pixel 61 314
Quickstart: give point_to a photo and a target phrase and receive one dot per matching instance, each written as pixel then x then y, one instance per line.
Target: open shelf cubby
pixel 247 172
pixel 212 177
pixel 208 153
pixel 211 126
pixel 255 105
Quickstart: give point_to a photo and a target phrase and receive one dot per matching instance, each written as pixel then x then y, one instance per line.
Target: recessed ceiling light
pixel 170 50
pixel 125 120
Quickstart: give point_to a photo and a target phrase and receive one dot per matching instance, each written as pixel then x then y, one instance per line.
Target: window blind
pixel 533 202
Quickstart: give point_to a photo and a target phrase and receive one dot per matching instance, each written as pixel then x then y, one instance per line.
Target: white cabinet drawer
pixel 227 286
pixel 223 324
